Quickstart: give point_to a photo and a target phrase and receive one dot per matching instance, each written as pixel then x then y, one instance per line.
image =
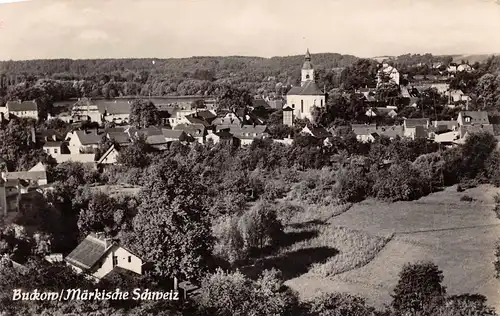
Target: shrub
pixel 400 182
pixel 419 289
pixel 467 198
pixel 352 185
pixel 341 304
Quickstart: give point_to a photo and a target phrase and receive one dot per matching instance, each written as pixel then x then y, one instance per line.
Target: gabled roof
pixel 120 137
pixel 18 106
pixel 53 144
pixel 89 137
pixel 248 131
pixel 194 130
pixel 113 107
pixel 259 102
pixel 88 252
pixel 469 129
pixel 416 122
pixel 172 134
pixel 309 88
pixel 477 117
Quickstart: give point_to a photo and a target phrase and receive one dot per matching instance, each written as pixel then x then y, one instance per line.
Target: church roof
pixel 309 88
pixel 307 61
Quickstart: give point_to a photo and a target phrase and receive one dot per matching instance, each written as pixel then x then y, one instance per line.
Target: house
pixel 247 133
pixel 36 175
pixel 84 140
pixel 472 118
pixel 466 130
pixel 203 117
pixel 448 138
pixel 316 132
pixel 464 67
pixel 391 72
pixel 452 68
pixel 97 256
pixel 22 109
pixel 222 137
pixel 85 110
pixel 110 157
pixel 228 119
pixel 416 128
pixel 276 104
pixel 369 133
pixel 304 98
pixel 442 88
pixel 381 112
pixel 54 148
pixel 196 131
pixel 117 111
pixel 457 96
pixel 173 135
pixel 444 126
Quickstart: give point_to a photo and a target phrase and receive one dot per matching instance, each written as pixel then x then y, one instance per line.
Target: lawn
pixel 457 235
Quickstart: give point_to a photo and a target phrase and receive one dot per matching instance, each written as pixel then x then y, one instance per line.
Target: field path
pixel 458 236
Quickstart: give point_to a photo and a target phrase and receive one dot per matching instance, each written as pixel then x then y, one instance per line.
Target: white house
pixel 391 72
pixel 22 109
pixel 82 140
pixel 97 256
pixel 302 99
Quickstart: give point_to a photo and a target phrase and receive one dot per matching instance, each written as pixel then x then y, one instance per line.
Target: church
pixel 301 100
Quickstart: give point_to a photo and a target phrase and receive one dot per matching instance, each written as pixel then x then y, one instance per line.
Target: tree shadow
pixel 314 222
pixel 286 240
pixel 292 264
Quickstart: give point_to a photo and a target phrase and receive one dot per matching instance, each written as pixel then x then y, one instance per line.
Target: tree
pixel 360 74
pixel 419 289
pixel 475 152
pixel 401 182
pixel 136 155
pixel 339 304
pixel 387 91
pixel 260 226
pixel 466 305
pixel 144 113
pixel 486 90
pixel 230 243
pixel 172 227
pixel 227 294
pixel 233 98
pixel 431 167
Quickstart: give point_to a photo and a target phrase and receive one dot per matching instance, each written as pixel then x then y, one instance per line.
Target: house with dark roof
pixel 174 135
pixel 416 128
pixel 97 256
pixel 316 132
pixel 84 140
pixel 246 133
pixel 302 99
pixel 369 133
pixel 196 131
pixel 22 109
pixel 222 137
pixel 473 118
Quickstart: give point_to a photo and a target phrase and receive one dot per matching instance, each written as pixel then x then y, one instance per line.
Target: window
pixel 293 106
pixel 321 102
pixel 115 260
pixel 55 150
pixel 129 259
pixel 467 119
pixel 301 105
pixel 307 76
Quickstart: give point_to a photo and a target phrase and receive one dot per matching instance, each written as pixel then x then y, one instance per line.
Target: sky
pixel 41 29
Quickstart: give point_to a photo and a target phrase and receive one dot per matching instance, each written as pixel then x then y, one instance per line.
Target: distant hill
pixel 480 58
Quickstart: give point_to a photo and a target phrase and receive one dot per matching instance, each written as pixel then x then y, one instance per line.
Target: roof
pixel 224 134
pixel 17 106
pixel 88 252
pixel 259 103
pixel 318 132
pixel 53 144
pixel 171 134
pixel 248 131
pixel 120 137
pixel 113 107
pixel 480 117
pixel 156 139
pixel 416 122
pixel 26 175
pixel 374 130
pixel 89 137
pixel 469 129
pixel 193 129
pixel 309 88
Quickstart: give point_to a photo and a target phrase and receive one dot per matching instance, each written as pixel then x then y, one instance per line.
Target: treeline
pixel 185 76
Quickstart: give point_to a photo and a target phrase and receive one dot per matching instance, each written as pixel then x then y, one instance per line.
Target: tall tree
pixel 172 229
pixel 144 113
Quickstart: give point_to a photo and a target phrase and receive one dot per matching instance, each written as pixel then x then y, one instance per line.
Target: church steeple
pixel 307 69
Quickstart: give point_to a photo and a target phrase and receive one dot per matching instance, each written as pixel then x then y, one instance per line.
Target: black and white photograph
pixel 249 157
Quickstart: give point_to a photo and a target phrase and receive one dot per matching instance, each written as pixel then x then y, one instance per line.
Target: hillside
pixel 480 58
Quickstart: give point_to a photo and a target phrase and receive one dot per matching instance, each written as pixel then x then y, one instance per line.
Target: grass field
pixel 459 236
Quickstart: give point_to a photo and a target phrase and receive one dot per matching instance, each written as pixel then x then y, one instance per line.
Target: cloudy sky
pixel 182 28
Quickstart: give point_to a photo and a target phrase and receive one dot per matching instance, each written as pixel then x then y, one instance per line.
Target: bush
pixel 401 182
pixel 467 198
pixel 352 185
pixel 341 304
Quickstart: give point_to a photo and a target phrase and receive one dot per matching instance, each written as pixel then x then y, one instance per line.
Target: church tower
pixel 307 69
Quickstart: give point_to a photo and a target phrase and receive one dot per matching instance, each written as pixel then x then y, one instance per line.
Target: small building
pixel 416 128
pixel 36 175
pixel 464 67
pixel 369 133
pixel 84 140
pixel 287 116
pixel 173 135
pixel 22 109
pixel 97 256
pixel 247 133
pixel 316 132
pixel 196 131
pixel 222 137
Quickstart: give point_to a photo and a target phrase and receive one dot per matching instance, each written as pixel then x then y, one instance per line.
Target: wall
pixel 3 201
pixel 310 101
pixel 122 255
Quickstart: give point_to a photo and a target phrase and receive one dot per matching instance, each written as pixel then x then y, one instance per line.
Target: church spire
pixel 308 55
